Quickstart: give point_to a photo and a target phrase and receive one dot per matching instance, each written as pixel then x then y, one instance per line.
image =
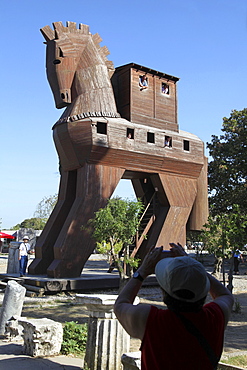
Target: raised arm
pixel 222 296
pixel 134 317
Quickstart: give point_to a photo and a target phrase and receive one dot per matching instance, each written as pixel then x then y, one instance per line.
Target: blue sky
pixel 203 42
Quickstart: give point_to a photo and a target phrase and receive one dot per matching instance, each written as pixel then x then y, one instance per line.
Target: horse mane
pixel 70 39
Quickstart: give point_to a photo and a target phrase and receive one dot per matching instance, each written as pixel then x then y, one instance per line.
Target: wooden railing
pixel 151 218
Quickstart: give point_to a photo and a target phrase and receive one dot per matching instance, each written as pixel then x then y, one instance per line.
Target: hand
pixel 156 254
pixel 177 250
pixel 151 259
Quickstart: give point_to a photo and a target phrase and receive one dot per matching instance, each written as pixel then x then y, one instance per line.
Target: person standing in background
pixel 23 255
pixel 237 257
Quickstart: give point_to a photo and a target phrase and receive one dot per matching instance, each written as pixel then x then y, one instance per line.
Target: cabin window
pixel 165 88
pixel 168 141
pixel 143 82
pixel 101 128
pixel 150 137
pixel 130 133
pixel 186 145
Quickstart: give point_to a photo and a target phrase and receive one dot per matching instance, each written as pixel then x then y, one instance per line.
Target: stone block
pixel 98 305
pixel 13 330
pixel 42 337
pixel 13 258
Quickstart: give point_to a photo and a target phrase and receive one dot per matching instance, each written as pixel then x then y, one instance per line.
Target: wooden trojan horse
pixel 112 129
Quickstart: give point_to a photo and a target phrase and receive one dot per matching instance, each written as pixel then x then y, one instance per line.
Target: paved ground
pixel 12 358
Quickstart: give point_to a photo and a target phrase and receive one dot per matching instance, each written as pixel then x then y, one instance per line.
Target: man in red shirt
pixel 187 335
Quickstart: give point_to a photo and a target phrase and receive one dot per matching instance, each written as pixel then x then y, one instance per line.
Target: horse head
pixel 78 70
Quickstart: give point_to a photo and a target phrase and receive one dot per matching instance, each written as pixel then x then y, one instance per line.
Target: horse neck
pixel 91 92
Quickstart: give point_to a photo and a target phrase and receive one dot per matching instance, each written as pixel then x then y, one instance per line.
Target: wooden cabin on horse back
pixel 118 124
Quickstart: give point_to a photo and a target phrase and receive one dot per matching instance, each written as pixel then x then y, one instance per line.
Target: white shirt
pixel 24 248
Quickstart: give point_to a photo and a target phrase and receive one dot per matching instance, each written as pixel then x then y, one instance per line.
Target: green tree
pixel 114 229
pixel 224 233
pixel 45 207
pixel 227 172
pixel 31 223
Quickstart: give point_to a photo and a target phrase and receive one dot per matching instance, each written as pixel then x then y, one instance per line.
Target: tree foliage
pixel 226 230
pixel 31 223
pixel 228 170
pixel 45 207
pixel 114 229
pixel 74 338
pixel 223 233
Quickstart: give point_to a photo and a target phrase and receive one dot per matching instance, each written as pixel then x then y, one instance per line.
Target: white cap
pixel 178 273
pixel 25 237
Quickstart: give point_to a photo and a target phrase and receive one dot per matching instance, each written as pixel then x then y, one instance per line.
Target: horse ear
pixel 48 33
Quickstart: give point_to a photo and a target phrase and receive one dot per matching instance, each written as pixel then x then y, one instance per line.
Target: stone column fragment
pixel 13 258
pixel 12 303
pixel 107 340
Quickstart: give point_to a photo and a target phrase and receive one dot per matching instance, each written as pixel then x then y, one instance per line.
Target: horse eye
pixel 56 61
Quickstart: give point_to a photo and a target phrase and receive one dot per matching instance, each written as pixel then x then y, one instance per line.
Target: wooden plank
pixel 48 33
pixel 143 162
pixel 33 288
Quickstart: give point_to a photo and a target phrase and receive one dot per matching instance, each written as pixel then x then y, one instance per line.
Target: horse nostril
pixel 56 61
pixel 62 96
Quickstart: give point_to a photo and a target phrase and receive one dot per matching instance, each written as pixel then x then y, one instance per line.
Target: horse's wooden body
pixel 96 151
